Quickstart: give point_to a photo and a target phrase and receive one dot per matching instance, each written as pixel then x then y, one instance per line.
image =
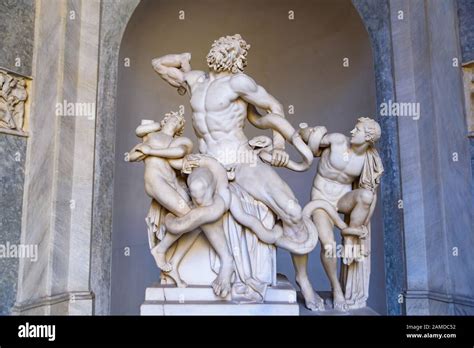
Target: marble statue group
pixel 228 191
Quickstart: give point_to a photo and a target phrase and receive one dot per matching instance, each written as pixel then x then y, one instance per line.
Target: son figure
pixel 162 145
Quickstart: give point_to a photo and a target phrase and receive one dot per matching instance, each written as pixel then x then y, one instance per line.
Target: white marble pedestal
pixel 201 300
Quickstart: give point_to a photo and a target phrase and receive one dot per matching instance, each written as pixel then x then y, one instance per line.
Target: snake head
pixel 260 143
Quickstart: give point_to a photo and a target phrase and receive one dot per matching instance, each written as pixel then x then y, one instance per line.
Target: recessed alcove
pixel 299 61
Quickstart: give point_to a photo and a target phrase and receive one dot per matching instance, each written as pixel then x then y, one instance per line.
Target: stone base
pixel 201 300
pixel 329 310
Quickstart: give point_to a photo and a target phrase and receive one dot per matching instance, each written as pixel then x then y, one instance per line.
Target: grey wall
pixel 376 17
pixel 16 35
pixel 466 40
pixel 299 62
pixel 12 159
pixel 471 145
pixel 439 236
pixel 16 41
pixel 466 29
pixel 114 16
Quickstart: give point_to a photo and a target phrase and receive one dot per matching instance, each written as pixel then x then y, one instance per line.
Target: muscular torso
pixel 338 167
pixel 218 117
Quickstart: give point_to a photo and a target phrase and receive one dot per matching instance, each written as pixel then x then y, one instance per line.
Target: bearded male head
pixel 228 53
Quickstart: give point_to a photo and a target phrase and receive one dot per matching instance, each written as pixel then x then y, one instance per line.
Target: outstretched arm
pixel 333 138
pixel 170 152
pixel 318 138
pixel 256 95
pixel 179 148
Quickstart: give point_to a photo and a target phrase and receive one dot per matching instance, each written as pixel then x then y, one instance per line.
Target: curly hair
pixel 372 129
pixel 180 117
pixel 228 53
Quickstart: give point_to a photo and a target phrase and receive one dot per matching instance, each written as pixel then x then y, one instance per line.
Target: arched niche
pixel 157 97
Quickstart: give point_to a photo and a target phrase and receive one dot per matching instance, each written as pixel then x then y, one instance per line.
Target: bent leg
pixel 168 197
pixel 264 184
pixel 196 217
pixel 356 204
pixel 184 244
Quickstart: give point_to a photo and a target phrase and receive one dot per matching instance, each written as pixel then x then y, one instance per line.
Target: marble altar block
pixel 201 300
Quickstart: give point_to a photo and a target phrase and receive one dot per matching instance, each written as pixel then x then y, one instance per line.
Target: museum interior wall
pixel 436 175
pixel 57 198
pixel 64 182
pixel 16 51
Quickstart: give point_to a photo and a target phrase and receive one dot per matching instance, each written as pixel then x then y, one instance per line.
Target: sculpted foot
pixel 312 300
pixel 222 284
pixel 175 275
pixel 338 302
pixel 317 305
pixel 160 259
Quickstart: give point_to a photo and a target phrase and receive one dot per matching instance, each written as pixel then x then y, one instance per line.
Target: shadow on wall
pixel 299 61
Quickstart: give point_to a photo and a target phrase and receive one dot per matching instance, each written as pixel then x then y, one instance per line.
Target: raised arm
pixel 318 138
pixel 173 67
pixel 333 138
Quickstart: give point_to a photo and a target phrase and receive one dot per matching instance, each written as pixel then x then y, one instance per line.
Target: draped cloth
pixel 155 223
pixel 371 171
pixel 254 261
pixel 355 275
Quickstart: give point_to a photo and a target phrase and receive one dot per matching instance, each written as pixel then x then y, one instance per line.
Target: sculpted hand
pixel 280 158
pixel 190 162
pixel 143 148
